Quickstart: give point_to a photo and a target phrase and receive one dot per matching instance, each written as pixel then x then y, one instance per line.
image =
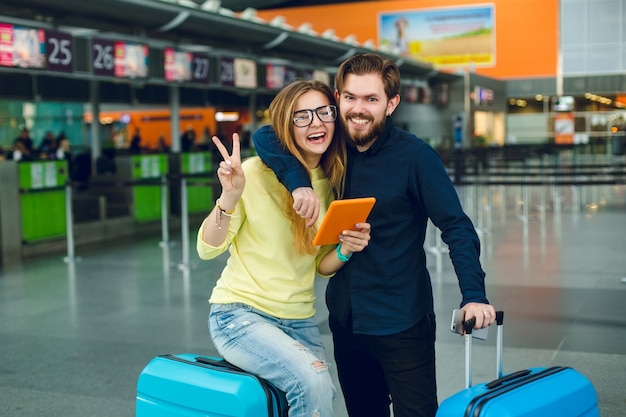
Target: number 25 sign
pixel 59 54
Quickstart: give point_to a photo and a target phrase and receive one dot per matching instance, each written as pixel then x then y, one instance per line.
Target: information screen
pixel 177 65
pixel 278 76
pixel 245 73
pixel 316 74
pixel 119 59
pixel 186 66
pixel 22 47
pixel 26 47
pixel 238 72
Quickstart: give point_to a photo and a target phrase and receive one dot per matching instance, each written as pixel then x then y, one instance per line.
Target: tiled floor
pixel 75 336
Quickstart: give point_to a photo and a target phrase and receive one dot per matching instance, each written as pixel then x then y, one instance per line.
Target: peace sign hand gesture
pixel 230 174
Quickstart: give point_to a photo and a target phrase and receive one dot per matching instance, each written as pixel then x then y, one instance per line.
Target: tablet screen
pixel 342 215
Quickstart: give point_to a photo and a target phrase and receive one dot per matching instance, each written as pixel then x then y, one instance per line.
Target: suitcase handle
pixel 272 393
pixel 222 363
pixel 468 327
pixel 499 317
pixel 514 375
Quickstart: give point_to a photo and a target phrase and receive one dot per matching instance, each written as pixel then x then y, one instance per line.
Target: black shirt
pixel 386 288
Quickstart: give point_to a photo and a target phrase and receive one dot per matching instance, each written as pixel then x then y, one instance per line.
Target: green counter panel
pixel 149 166
pixel 42 200
pixel 147 202
pixel 43 215
pixel 199 198
pixel 42 174
pixel 147 198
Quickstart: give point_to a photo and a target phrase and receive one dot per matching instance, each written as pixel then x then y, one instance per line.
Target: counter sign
pixel 59 51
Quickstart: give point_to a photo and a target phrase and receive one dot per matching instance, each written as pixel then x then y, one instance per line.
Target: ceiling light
pixel 211 5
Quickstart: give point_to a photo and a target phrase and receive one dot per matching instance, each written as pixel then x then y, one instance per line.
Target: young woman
pixel 262 307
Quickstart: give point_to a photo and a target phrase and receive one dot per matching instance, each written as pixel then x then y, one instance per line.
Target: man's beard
pixel 363 138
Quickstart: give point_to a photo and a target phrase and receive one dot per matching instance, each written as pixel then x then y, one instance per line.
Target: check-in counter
pixel 140 176
pixel 32 204
pixel 197 169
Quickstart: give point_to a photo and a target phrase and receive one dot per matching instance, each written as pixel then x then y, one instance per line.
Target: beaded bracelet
pixel 225 212
pixel 219 212
pixel 341 256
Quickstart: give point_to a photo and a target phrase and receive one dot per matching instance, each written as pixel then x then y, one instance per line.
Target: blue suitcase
pixel 194 385
pixel 535 392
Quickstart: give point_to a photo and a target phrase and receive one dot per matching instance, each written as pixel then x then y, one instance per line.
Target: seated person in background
pixel 64 152
pixel 135 142
pixel 188 139
pixel 20 152
pixel 24 147
pixel 262 307
pixel 81 170
pixel 47 147
pixel 206 142
pixel 105 163
pixel 162 146
pixel 63 149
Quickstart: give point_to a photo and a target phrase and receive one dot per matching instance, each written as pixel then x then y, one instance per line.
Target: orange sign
pixel 564 128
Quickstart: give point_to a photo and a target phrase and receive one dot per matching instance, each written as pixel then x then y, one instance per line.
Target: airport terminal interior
pixel 77 331
pixel 98 266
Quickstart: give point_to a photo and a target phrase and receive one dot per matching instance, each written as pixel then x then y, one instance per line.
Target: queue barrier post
pixel 165 233
pixel 69 223
pixel 184 217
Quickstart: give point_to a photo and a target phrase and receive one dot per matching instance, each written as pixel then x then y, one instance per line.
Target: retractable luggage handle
pixel 468 326
pixel 271 392
pixel 222 363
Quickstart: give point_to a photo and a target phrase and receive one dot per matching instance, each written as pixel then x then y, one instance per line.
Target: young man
pixel 381 303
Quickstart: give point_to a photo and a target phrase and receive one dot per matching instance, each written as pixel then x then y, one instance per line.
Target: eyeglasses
pixel 303 118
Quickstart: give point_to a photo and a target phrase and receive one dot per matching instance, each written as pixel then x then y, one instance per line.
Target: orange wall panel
pixel 526 31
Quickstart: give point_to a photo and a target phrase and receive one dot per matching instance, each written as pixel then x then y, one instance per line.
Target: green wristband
pixel 341 256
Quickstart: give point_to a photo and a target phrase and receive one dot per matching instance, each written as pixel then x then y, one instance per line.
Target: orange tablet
pixel 342 215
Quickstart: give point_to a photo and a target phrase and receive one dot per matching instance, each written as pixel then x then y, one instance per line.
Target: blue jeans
pixel 287 353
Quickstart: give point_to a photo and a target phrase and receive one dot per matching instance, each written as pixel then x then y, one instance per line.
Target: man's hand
pixel 356 240
pixel 306 204
pixel 485 314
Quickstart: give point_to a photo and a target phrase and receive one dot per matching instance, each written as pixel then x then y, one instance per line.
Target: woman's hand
pixel 230 174
pixel 351 241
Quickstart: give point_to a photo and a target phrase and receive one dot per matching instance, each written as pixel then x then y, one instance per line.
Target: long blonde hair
pixel 333 161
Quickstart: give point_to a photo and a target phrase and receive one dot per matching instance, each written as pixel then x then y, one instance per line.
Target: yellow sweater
pixel 263 270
